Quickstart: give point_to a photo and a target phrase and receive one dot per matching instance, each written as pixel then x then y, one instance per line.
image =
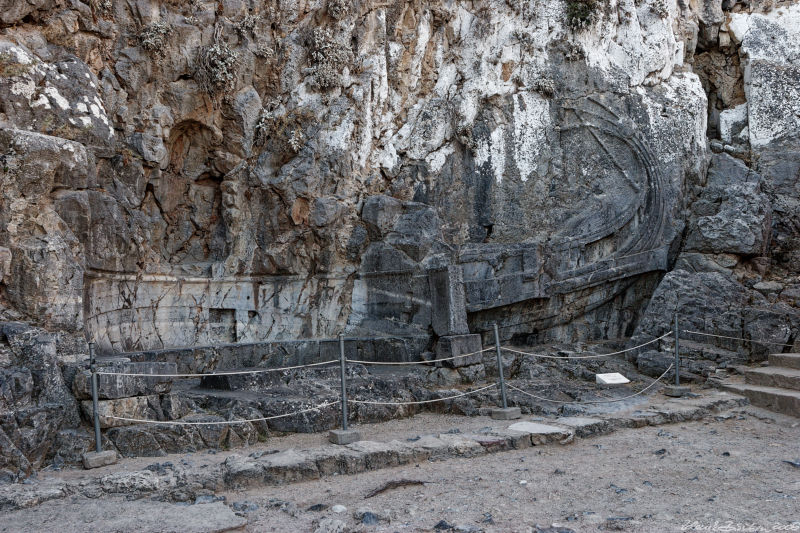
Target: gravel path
pixel 647 479
pixel 729 470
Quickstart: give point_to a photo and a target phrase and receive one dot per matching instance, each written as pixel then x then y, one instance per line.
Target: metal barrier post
pixel 677 356
pixel 344 435
pixel 93 368
pixel 505 412
pixel 343 364
pixel 500 366
pixel 676 391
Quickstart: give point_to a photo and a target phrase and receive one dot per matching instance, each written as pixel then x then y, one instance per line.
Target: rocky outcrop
pixel 229 163
pixel 740 251
pixel 245 175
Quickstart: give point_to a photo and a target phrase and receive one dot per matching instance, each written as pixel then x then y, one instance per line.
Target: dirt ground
pixel 726 473
pixel 729 474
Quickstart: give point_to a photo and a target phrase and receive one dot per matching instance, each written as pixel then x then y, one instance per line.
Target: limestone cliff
pixel 191 173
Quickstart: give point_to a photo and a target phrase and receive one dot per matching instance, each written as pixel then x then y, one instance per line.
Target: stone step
pixel 773 398
pixel 774 376
pixel 788 360
pixel 111 387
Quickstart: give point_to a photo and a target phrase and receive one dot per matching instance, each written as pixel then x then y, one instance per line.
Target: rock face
pixel 257 174
pixel 737 273
pixel 244 173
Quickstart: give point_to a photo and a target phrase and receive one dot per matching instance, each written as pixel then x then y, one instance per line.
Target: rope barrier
pixel 659 378
pixel 735 338
pixel 418 362
pixel 588 356
pixel 231 373
pixel 221 422
pixel 425 401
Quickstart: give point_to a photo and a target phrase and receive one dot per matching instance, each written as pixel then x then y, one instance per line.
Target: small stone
pixel 331 525
pixel 208 498
pixel 98 459
pixel 317 507
pixel 369 519
pixel 338 509
pixel 442 525
pixel 244 506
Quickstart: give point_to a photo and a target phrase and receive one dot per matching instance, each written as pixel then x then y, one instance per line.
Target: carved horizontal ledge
pixel 611 270
pixel 535 284
pixel 149 278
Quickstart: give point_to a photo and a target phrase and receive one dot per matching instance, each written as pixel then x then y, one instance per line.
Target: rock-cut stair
pixel 775 387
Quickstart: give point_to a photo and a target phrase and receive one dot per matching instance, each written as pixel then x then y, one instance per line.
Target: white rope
pixel 425 401
pixel 418 362
pixel 588 356
pixel 659 378
pixel 231 373
pixel 734 338
pixel 221 422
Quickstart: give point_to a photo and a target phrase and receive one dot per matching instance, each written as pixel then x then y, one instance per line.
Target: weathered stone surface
pixel 344 436
pixel 456 345
pixel 72 444
pixel 541 433
pixel 585 427
pixel 241 382
pixel 130 482
pixel 140 515
pixel 506 413
pixel 732 214
pixel 111 387
pixel 99 459
pixel 138 407
pixel 449 312
pixel 310 195
pixel 717 304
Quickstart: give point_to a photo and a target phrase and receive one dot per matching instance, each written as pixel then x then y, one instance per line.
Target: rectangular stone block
pixel 98 459
pixel 344 436
pixel 455 345
pixel 448 302
pixel 611 379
